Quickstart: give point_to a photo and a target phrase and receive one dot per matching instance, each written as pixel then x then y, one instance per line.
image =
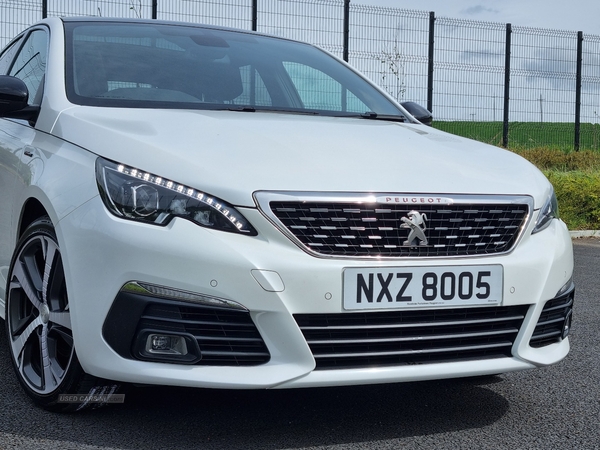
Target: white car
pixel 195 206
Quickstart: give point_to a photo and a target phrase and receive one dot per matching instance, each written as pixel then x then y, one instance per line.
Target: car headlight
pixel 548 212
pixel 137 195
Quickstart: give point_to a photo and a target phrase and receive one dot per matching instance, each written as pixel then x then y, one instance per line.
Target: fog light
pixel 160 342
pixel 165 344
pixel 156 345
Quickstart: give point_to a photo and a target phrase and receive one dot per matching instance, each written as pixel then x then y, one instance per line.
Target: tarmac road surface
pixel 556 407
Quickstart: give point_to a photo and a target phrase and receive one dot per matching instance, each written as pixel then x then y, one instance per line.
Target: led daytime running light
pixel 182 189
pixel 138 287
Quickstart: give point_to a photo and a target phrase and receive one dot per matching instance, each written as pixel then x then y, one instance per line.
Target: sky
pixel 571 15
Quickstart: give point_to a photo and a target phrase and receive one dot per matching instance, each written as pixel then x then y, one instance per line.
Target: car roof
pixel 99 20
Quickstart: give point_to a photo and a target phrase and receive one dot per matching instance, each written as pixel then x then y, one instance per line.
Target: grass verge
pixel 522 135
pixel 576 180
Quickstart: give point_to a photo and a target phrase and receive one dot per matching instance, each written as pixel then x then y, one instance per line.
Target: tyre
pixel 38 324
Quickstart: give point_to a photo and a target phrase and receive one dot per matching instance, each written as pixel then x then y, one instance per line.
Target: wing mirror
pixel 418 112
pixel 13 99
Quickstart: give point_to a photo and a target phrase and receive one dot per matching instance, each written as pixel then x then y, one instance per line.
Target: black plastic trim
pixel 222 336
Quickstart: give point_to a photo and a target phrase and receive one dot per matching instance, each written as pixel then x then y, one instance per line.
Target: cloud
pixel 479 9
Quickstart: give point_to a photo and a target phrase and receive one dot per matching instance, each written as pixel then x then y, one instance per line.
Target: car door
pixel 25 59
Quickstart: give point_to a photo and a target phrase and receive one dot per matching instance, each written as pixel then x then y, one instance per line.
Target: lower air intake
pixel 555 316
pixel 376 339
pixel 225 337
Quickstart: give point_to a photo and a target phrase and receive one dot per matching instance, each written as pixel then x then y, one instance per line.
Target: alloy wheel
pixel 38 318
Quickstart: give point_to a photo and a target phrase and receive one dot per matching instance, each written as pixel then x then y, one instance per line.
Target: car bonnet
pixel 233 154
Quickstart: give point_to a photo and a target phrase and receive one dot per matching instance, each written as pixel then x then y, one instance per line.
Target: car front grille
pixel 225 337
pixel 369 229
pixel 397 338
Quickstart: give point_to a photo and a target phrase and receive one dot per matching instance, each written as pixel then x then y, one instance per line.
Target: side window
pixel 254 92
pixel 7 57
pixel 30 63
pixel 319 91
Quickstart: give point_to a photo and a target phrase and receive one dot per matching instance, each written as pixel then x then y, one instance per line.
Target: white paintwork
pixel 198 149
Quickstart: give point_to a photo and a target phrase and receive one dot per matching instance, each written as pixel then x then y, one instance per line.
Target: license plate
pixel 402 288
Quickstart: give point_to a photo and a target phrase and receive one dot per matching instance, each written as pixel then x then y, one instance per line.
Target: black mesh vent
pixel 375 339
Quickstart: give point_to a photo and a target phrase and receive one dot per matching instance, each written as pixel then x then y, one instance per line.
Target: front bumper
pixel 276 282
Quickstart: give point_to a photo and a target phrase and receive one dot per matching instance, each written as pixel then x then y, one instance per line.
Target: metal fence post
pixel 506 86
pixel 430 61
pixel 254 15
pixel 44 9
pixel 154 9
pixel 578 90
pixel 346 28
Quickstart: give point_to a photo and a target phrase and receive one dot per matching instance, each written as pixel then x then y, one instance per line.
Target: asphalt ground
pixel 557 407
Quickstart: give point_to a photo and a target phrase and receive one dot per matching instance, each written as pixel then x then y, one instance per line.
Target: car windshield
pixel 145 65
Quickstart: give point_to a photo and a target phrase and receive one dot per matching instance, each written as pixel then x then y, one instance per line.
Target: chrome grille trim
pixel 407 337
pixel 381 327
pixel 358 225
pixel 398 353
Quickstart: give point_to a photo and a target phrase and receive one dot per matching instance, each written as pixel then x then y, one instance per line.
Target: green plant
pixel 576 180
pixel 578 194
pixel 557 159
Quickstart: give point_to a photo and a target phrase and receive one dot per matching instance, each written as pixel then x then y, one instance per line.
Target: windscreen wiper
pixel 241 108
pixel 390 117
pixel 272 110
